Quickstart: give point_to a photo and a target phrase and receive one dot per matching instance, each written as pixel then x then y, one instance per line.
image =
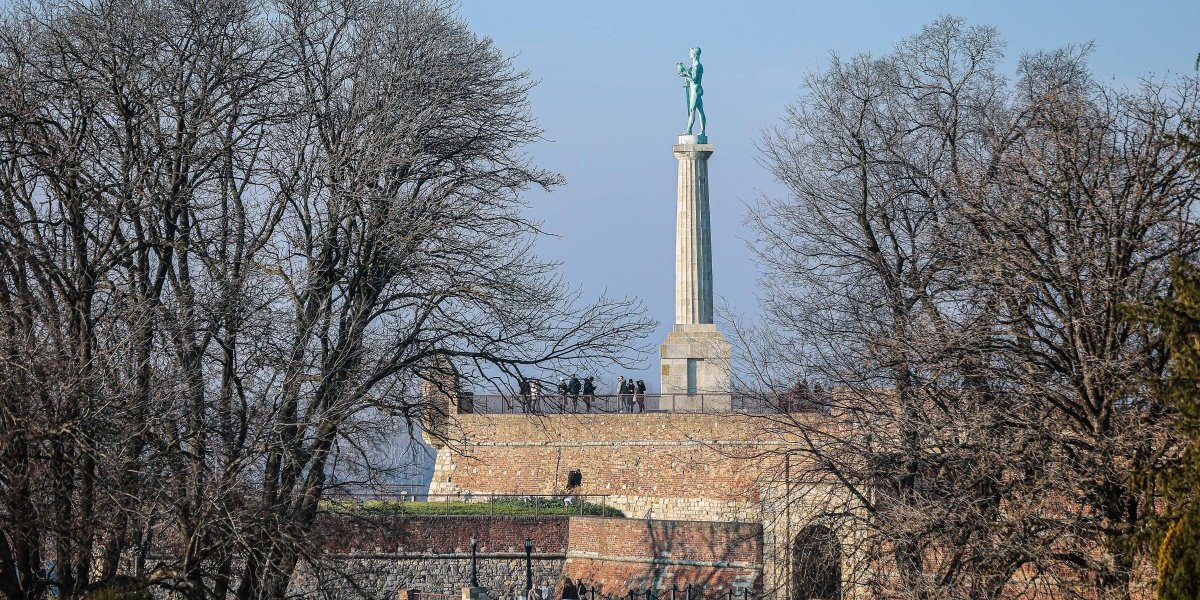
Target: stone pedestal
pixel 695 361
pixel 695 356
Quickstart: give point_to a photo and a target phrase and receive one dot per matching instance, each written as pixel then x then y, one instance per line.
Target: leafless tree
pixel 233 237
pixel 954 257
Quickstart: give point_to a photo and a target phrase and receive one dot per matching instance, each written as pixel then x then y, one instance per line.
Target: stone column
pixel 693 237
pixel 695 356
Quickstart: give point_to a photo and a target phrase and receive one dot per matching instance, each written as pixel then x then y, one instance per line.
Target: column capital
pixel 693 151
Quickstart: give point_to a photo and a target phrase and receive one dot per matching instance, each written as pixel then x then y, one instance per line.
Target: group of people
pixel 568 590
pixel 574 391
pixel 630 392
pixel 571 390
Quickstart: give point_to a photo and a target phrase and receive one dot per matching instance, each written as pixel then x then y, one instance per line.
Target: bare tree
pixel 233 238
pixel 913 268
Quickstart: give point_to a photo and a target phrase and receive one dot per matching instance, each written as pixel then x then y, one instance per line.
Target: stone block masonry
pixel 659 466
pixel 380 576
pixel 695 356
pixel 373 556
pixel 693 237
pixel 689 541
pixel 619 555
pixel 400 534
pixel 724 468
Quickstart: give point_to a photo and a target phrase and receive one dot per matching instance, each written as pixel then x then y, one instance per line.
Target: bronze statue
pixel 695 91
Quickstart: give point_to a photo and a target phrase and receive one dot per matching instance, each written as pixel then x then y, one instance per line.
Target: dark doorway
pixel 816 565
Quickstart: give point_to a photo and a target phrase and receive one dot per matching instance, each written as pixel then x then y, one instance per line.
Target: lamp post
pixel 474 572
pixel 528 567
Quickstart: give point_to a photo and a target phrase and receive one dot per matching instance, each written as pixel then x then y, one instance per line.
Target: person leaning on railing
pixel 589 392
pixel 573 389
pixel 526 391
pixel 622 389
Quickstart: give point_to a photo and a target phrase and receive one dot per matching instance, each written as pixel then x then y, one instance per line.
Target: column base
pixel 695 360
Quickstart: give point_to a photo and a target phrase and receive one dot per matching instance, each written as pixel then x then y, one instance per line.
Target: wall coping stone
pixel 696 521
pixel 428 555
pixel 734 564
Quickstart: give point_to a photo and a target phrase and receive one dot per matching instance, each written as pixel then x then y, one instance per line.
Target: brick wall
pixel 380 576
pixel 619 555
pixel 610 427
pixel 443 535
pixel 656 466
pixel 617 579
pixel 673 540
pixel 664 466
pixel 431 553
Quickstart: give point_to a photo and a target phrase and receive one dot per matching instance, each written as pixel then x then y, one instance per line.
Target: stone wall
pixel 618 555
pixel 694 541
pixel 722 467
pixel 655 465
pixel 400 534
pixel 381 575
pixel 373 556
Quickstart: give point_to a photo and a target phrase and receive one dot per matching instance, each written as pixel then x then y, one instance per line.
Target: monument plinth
pixel 695 356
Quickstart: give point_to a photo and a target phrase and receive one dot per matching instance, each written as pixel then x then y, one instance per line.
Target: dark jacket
pixel 570 592
pixel 641 386
pixel 573 387
pixel 589 388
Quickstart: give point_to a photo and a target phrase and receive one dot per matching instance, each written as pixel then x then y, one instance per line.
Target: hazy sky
pixel 611 104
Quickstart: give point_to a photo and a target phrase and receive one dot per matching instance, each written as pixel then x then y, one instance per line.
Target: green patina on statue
pixel 695 91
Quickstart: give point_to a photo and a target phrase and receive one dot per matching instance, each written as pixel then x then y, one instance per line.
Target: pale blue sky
pixel 612 104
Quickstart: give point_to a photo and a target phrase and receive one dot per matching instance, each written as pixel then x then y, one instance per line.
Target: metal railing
pixel 631 403
pixel 470 504
pixel 419 595
pixel 687 592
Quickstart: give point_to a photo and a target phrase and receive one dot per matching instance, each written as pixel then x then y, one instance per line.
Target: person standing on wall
pixel 589 392
pixel 630 390
pixel 641 395
pixel 622 389
pixel 526 399
pixel 573 389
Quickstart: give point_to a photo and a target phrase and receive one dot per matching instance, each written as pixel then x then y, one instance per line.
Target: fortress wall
pixel 665 540
pixel 623 554
pixel 720 468
pixel 378 554
pixel 357 577
pixel 609 427
pixel 434 535
pixel 616 579
pixel 655 465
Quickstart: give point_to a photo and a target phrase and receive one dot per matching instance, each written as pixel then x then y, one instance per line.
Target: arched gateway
pixel 816 565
